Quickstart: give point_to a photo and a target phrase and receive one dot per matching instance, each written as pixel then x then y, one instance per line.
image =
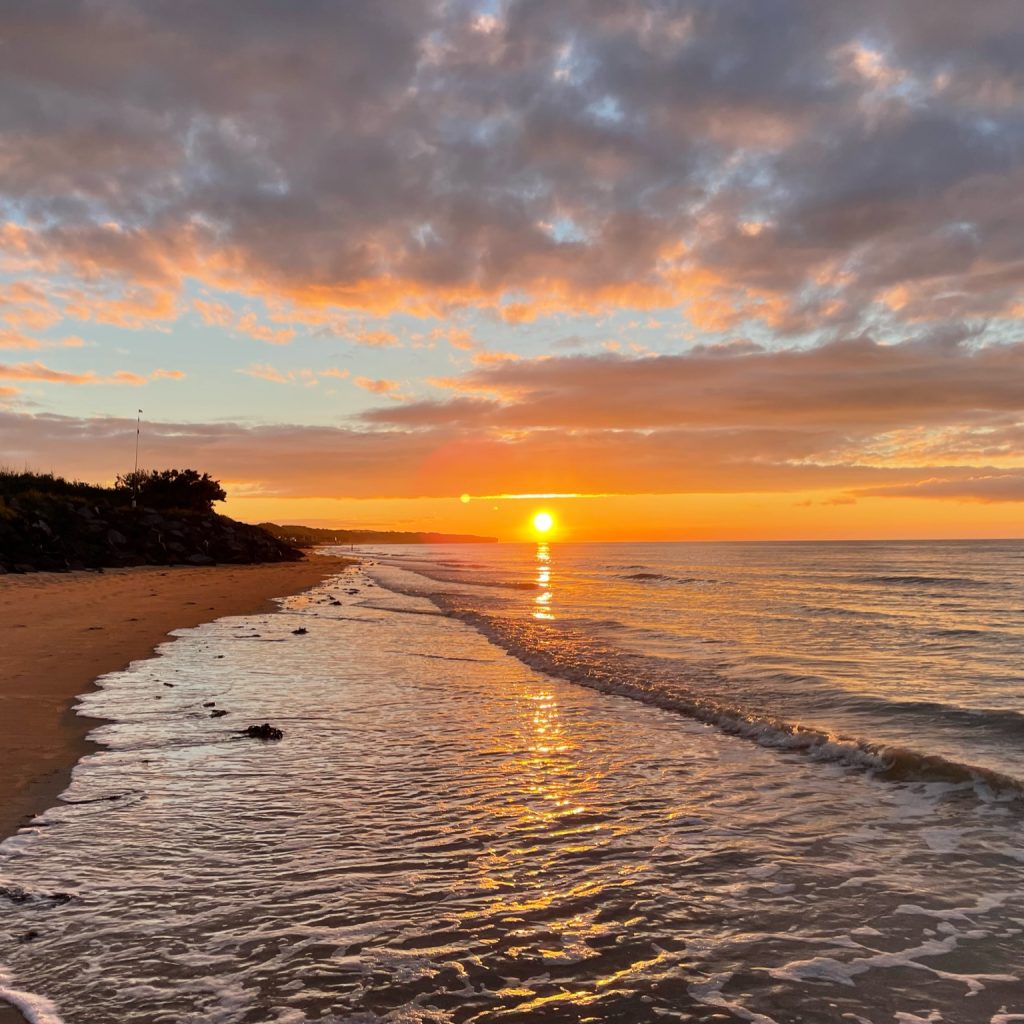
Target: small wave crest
pixel 657 577
pixel 580 661
pixel 938 582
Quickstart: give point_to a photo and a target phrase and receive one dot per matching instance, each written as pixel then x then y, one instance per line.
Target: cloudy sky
pixel 719 268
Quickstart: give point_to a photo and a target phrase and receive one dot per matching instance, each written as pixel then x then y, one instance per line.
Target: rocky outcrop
pixel 56 533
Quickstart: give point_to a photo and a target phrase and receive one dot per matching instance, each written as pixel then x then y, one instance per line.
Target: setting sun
pixel 543 521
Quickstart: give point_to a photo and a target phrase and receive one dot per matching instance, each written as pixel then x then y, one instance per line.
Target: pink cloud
pixel 375 339
pixel 308 377
pixel 250 324
pixel 39 372
pixel 15 339
pixel 485 358
pixel 378 387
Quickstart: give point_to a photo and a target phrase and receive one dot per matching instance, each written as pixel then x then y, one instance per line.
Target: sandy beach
pixel 60 632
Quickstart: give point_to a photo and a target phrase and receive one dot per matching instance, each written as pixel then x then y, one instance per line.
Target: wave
pixel 555 653
pixel 922 581
pixel 657 577
pixel 839 612
pixel 1003 720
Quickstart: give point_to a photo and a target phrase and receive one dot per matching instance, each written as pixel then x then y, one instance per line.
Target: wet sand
pixel 60 632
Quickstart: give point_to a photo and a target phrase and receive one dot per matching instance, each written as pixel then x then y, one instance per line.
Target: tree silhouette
pixel 172 488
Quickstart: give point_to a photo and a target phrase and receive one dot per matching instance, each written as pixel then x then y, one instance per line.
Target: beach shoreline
pixel 63 631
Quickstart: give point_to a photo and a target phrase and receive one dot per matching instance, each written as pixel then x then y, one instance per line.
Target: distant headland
pixel 310 536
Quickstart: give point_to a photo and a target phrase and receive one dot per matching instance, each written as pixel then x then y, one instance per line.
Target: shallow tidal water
pixel 446 834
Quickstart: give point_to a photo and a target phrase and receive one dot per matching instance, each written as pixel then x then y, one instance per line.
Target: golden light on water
pixel 543 521
pixel 542 602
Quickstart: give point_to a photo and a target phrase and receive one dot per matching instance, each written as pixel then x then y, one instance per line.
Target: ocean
pixel 605 782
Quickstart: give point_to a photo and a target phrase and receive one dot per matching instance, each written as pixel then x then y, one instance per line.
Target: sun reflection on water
pixel 542 602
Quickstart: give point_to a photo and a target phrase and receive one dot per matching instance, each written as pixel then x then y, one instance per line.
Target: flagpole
pixel 135 474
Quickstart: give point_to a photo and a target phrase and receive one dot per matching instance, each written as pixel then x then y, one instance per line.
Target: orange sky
pixel 746 277
pixel 810 516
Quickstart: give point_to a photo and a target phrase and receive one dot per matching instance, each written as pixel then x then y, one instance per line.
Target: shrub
pixel 172 488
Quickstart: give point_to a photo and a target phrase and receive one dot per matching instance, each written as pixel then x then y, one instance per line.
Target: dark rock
pixel 28 936
pixel 20 896
pixel 218 713
pixel 266 731
pixel 55 533
pixel 301 631
pixel 210 704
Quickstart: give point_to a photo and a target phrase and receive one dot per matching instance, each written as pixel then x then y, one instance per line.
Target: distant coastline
pixel 309 536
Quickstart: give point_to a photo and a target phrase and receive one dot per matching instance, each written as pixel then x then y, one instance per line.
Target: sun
pixel 543 521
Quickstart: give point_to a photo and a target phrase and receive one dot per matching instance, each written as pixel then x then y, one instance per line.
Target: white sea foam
pixel 36 1009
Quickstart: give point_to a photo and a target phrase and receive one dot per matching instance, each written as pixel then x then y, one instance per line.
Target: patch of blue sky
pixel 607 108
pixel 566 231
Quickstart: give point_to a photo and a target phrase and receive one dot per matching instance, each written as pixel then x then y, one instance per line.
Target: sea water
pixel 554 783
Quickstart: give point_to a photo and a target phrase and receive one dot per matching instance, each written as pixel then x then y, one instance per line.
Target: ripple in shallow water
pixel 445 835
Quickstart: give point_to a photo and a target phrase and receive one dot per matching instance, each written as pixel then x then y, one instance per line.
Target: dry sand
pixel 60 632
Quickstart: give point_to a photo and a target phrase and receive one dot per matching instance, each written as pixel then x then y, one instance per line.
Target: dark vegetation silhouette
pixel 171 488
pixel 51 524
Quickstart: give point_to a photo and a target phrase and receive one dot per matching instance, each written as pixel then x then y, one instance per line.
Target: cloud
pixel 741 417
pixel 264 371
pixel 490 358
pixel 44 374
pixel 799 165
pixel 828 193
pixel 219 314
pixel 855 385
pixel 39 372
pixel 374 339
pixel 248 323
pixel 308 377
pixel 15 339
pixel 289 460
pixel 380 387
pixel 993 487
pixel 215 314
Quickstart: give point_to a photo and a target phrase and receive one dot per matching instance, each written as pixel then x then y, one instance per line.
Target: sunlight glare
pixel 543 521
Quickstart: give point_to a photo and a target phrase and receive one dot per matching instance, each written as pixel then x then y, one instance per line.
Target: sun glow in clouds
pixel 543 521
